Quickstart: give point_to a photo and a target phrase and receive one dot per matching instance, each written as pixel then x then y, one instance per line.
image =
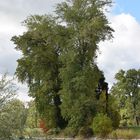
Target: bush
pixel 70 132
pixel 85 132
pixel 102 125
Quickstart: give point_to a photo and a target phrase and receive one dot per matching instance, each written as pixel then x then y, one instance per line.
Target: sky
pixel 122 52
pixel 128 6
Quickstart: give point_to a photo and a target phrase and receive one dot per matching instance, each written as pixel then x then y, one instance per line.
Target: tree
pixel 107 103
pixel 7 90
pixel 127 92
pixel 59 61
pixel 88 26
pixel 39 66
pixel 12 119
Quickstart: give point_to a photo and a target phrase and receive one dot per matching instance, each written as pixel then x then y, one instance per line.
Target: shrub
pixel 42 125
pixel 70 132
pixel 85 132
pixel 102 125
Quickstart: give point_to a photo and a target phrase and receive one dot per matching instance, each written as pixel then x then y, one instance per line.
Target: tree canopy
pixel 127 91
pixel 59 61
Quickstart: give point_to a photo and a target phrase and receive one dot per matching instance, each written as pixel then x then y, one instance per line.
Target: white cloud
pixel 20 9
pixel 22 92
pixel 124 51
pixel 9 26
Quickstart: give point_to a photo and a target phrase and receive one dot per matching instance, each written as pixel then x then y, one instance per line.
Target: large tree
pixel 39 65
pixel 88 26
pixel 59 60
pixel 127 91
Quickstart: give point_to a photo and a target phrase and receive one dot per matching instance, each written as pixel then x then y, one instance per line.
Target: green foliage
pixel 39 66
pixel 113 112
pixel 12 112
pixel 12 119
pixel 7 90
pixel 80 74
pixel 85 132
pixel 127 93
pixel 112 109
pixel 32 120
pixel 115 117
pixel 101 104
pixel 102 125
pixel 70 132
pixel 59 61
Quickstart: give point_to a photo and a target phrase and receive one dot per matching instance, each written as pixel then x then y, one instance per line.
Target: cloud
pixel 23 92
pixel 20 9
pixel 124 51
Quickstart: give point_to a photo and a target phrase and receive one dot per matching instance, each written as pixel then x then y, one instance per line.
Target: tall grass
pixel 124 134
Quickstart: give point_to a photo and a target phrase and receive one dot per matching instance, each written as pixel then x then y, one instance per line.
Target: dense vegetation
pixel 126 90
pixel 58 63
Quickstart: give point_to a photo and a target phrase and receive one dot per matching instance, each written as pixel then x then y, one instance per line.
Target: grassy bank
pixel 125 133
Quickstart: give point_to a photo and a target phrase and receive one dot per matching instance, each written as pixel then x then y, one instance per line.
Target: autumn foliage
pixel 42 125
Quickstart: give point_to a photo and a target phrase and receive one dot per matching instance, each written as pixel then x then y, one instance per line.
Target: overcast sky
pixel 123 52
